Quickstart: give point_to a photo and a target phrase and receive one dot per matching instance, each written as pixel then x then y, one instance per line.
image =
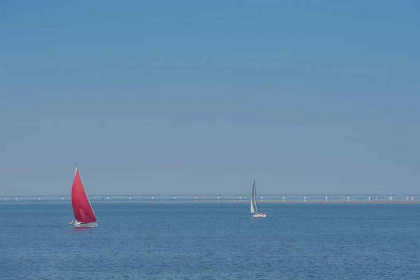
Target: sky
pixel 200 97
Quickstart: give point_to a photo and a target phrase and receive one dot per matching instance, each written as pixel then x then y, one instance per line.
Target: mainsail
pixel 253 199
pixel 82 209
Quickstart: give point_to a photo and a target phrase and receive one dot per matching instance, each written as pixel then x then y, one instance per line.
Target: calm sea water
pixel 211 241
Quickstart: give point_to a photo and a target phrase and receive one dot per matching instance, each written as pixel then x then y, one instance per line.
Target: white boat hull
pixel 78 224
pixel 259 215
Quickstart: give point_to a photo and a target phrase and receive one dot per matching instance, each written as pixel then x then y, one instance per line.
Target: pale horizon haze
pixel 201 97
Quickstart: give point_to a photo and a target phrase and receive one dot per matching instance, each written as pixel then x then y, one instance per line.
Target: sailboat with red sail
pixel 83 212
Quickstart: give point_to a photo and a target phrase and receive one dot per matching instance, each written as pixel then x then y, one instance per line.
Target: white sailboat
pixel 254 210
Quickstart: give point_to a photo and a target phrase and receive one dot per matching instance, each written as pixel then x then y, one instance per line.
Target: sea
pixel 211 241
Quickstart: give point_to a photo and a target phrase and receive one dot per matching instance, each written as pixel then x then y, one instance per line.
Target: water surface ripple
pixel 211 241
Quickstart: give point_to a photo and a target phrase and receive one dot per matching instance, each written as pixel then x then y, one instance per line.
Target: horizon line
pixel 157 195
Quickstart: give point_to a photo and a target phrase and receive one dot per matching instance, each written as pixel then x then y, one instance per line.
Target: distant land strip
pixel 363 199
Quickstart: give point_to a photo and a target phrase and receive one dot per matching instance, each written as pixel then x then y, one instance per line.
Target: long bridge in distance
pixel 238 198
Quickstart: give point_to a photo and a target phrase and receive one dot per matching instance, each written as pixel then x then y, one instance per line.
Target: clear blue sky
pixel 179 97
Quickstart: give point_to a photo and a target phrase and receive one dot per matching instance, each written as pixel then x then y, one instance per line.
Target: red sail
pixel 81 207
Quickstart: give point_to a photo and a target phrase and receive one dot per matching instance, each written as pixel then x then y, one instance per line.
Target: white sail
pixel 253 199
pixel 252 206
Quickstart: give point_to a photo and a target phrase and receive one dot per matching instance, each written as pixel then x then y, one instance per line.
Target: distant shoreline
pixel 378 202
pixel 223 199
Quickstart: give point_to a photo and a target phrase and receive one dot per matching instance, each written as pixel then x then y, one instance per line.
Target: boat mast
pixel 255 197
